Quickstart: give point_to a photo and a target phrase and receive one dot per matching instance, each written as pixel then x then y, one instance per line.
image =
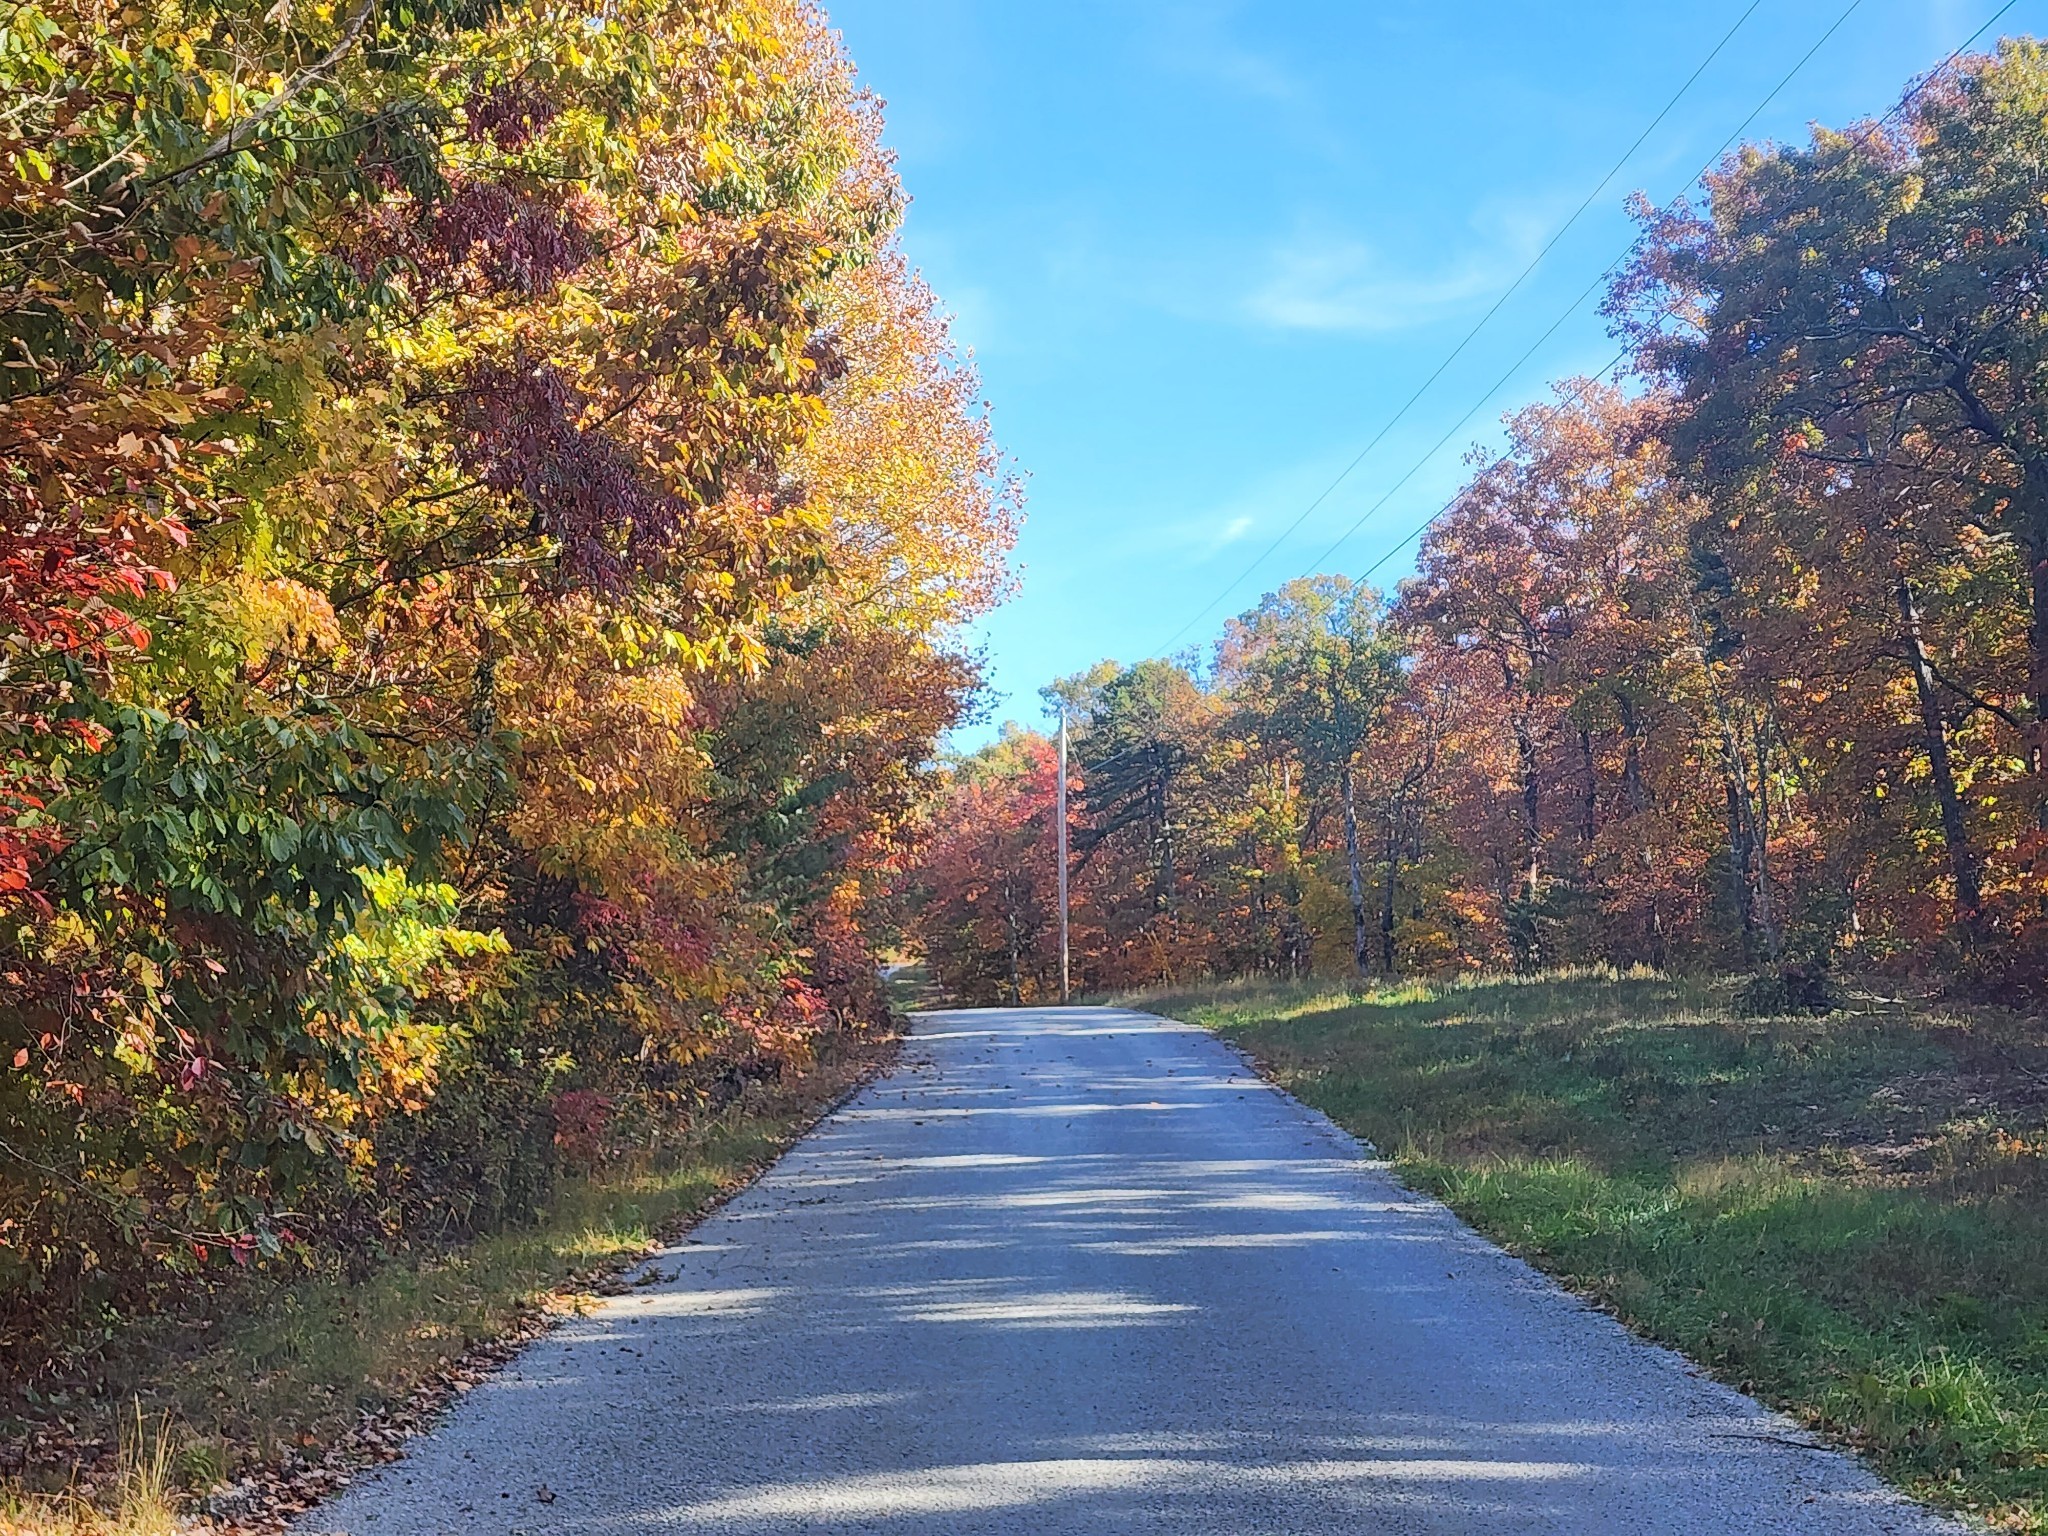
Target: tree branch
pixel 1975 701
pixel 229 142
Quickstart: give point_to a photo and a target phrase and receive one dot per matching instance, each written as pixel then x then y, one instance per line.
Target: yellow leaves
pixel 717 160
pixel 364 551
pixel 31 164
pixel 279 616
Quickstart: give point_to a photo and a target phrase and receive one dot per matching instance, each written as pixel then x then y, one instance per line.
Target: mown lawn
pixel 1845 1215
pixel 295 1383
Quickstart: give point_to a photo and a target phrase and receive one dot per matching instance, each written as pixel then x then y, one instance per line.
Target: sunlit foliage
pixel 484 516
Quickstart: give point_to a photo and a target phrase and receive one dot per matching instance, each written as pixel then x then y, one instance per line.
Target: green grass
pixel 909 987
pixel 289 1371
pixel 313 1356
pixel 1847 1216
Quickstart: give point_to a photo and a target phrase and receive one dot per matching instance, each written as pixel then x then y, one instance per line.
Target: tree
pixel 990 912
pixel 1856 330
pixel 1314 657
pixel 483 525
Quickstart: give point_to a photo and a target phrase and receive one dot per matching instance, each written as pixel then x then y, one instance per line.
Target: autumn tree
pixel 1856 332
pixel 487 513
pixel 1320 674
pixel 990 911
pixel 1742 663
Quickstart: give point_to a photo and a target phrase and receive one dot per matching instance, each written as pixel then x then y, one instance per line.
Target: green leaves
pixel 482 633
pixel 266 822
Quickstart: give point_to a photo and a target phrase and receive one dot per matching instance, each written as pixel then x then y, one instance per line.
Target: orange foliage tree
pixel 1739 667
pixel 486 516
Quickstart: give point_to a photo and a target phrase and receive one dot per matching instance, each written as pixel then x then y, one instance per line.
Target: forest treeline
pixel 1739 663
pixel 484 507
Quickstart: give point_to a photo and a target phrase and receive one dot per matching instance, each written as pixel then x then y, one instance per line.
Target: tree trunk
pixel 2037 667
pixel 1589 811
pixel 1746 866
pixel 1748 828
pixel 1738 861
pixel 1746 854
pixel 1291 926
pixel 1632 784
pixel 1638 794
pixel 1532 810
pixel 1760 842
pixel 1163 893
pixel 1524 928
pixel 1016 955
pixel 1358 945
pixel 1389 887
pixel 1962 860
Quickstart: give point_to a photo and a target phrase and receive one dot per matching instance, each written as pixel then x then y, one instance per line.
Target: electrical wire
pixel 1480 325
pixel 1424 526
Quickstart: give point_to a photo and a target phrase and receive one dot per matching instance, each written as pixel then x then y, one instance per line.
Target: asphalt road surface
pixel 1069 1272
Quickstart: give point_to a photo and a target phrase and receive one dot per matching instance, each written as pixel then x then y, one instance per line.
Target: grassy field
pixel 294 1386
pixel 1845 1215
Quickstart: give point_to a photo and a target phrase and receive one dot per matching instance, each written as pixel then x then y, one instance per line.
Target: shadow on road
pixel 1078 1271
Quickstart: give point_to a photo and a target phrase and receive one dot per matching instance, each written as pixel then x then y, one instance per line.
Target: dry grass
pixel 296 1385
pixel 143 1500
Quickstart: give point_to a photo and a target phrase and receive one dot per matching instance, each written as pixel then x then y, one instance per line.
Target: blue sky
pixel 1203 251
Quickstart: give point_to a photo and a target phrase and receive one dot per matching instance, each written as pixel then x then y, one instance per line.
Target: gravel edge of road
pixel 376 1445
pixel 1796 1434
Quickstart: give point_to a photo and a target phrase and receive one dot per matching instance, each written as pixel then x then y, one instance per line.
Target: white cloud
pixel 1190 539
pixel 1198 41
pixel 1322 282
pixel 1238 525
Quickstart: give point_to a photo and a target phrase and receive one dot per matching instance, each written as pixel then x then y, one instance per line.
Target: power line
pixel 1573 308
pixel 1480 325
pixel 1903 102
pixel 1585 293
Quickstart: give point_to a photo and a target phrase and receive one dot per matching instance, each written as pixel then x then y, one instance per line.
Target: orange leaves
pixel 596 485
pixel 988 901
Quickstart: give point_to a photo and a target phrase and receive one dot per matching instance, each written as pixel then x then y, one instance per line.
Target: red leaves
pixel 509 114
pixel 489 239
pixel 101 487
pixel 581 1117
pixel 25 844
pixel 645 432
pixel 524 434
pixel 990 922
pixel 515 241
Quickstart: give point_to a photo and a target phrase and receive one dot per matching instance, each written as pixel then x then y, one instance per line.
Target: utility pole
pixel 1060 814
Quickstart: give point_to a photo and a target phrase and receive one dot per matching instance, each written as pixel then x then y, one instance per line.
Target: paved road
pixel 1071 1272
